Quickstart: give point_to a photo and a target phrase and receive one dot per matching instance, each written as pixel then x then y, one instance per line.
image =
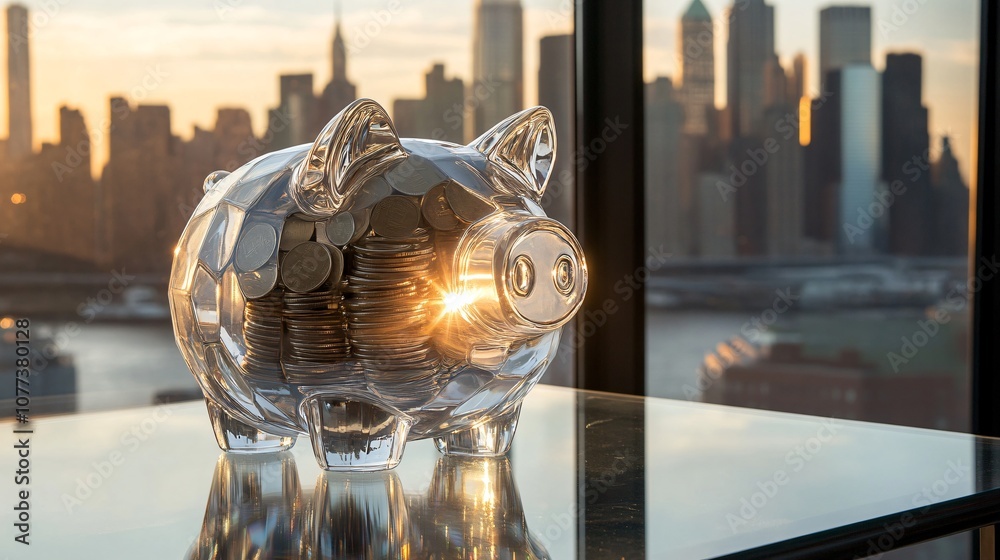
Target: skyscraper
pixel 904 121
pixel 340 91
pixel 750 49
pixel 797 79
pixel 294 120
pixel 951 206
pixel 860 159
pixel 668 207
pixel 19 141
pixel 784 185
pixel 697 50
pixel 497 62
pixel 845 37
pixel 74 137
pixel 555 91
pixel 438 115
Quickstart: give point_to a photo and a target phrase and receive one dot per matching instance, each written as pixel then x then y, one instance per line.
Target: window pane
pixel 809 166
pixel 153 97
pixel 813 163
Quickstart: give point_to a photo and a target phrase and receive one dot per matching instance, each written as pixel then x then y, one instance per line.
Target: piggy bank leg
pixel 238 437
pixel 488 439
pixel 353 435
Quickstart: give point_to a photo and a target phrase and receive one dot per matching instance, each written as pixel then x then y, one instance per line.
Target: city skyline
pixel 390 46
pixel 945 34
pixel 134 39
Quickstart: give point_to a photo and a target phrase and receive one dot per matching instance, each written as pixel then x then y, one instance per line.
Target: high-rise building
pixel 438 115
pixel 775 84
pixel 668 217
pixel 73 136
pixel 497 62
pixel 951 206
pixel 555 91
pixel 716 219
pixel 860 160
pixel 845 37
pixel 340 91
pixel 19 142
pixel 697 53
pixel 823 173
pixel 797 79
pixel 139 188
pixel 749 50
pixel 443 107
pixel 783 184
pixel 233 139
pixel 904 123
pixel 294 120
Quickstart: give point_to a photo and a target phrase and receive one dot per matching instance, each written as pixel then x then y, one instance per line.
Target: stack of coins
pixel 262 330
pixel 388 307
pixel 315 328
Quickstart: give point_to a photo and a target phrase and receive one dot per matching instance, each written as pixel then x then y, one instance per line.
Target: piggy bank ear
pixel 524 144
pixel 358 143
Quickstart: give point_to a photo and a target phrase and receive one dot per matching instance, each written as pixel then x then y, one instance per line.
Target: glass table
pixel 590 475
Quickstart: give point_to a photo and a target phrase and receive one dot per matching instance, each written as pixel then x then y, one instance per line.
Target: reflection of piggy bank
pixel 257 509
pixel 367 289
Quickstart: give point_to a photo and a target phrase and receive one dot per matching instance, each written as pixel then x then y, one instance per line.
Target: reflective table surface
pixel 590 475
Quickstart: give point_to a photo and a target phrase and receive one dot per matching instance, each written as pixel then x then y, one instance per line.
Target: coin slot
pixel 564 275
pixel 522 276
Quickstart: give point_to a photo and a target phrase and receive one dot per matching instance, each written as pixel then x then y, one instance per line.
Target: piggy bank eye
pixel 525 146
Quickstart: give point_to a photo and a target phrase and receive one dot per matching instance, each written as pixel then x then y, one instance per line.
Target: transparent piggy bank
pixel 367 289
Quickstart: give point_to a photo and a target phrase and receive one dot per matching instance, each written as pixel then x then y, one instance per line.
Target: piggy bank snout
pixel 544 274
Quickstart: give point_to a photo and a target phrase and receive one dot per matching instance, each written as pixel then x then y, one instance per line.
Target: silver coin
pixel 436 210
pixel 362 223
pixel 340 229
pixel 306 267
pixel 294 232
pixel 374 190
pixel 336 265
pixel 258 283
pixel 395 217
pixel 414 176
pixel 256 247
pixel 467 206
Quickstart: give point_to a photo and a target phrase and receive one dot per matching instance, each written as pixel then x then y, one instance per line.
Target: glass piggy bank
pixel 368 289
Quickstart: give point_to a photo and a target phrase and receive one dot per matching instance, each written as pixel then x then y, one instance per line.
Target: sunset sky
pixel 198 55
